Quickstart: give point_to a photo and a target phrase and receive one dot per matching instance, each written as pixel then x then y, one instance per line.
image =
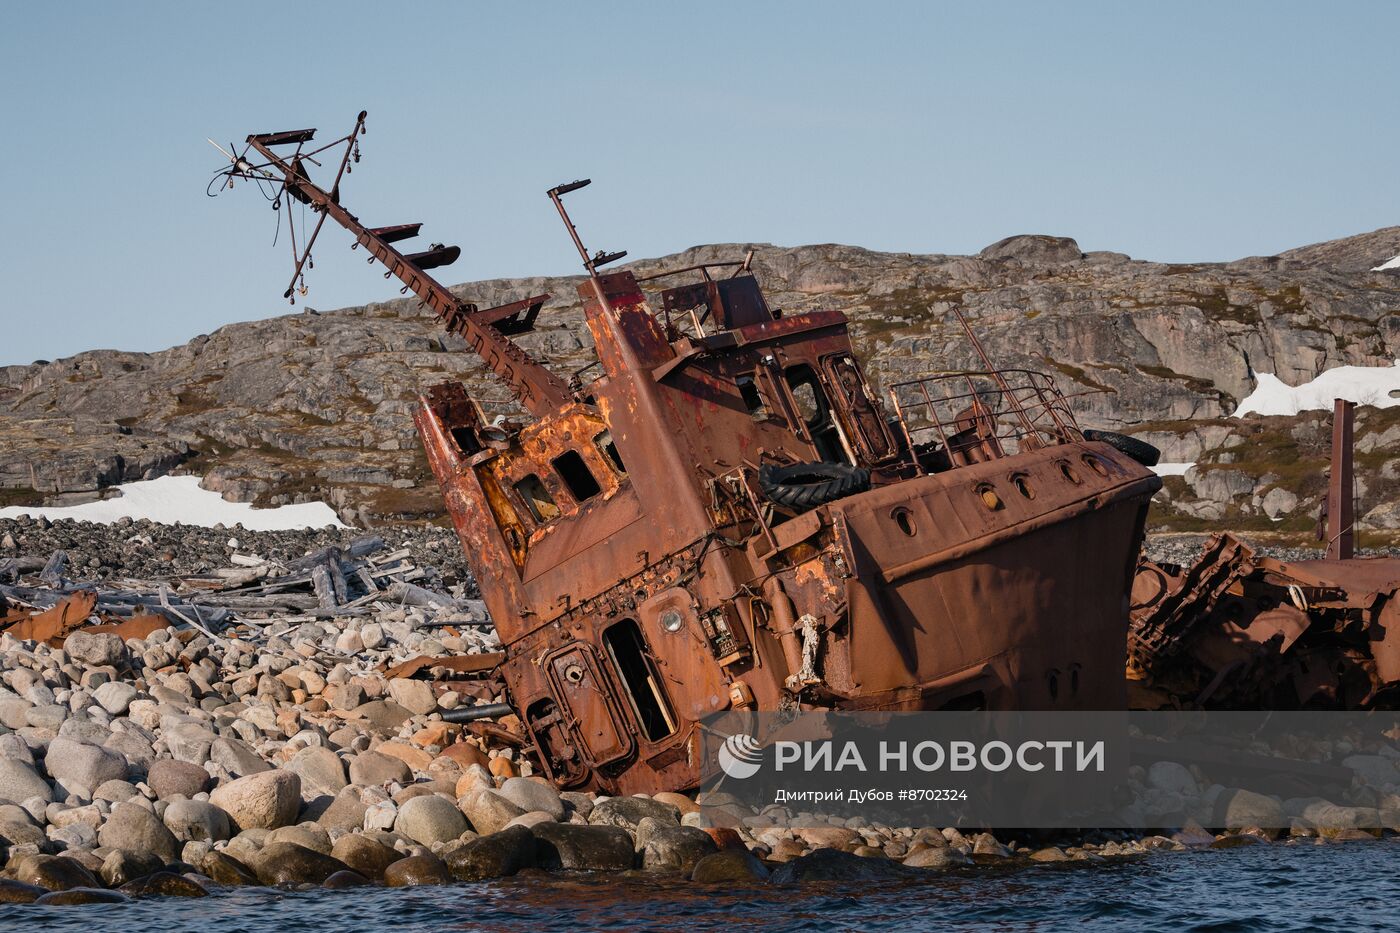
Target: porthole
pixel 1022 483
pixel 1095 464
pixel 1054 683
pixel 989 497
pixel 671 621
pixel 905 520
pixel 1069 473
pixel 573 674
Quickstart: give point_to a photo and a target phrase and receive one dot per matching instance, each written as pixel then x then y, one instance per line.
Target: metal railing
pixel 954 419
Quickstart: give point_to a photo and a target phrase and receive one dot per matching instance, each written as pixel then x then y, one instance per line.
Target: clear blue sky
pixel 1170 131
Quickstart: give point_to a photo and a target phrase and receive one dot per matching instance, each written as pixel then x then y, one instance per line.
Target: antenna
pixel 284 178
pixel 600 258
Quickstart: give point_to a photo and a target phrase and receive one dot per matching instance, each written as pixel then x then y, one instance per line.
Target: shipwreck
pixel 722 513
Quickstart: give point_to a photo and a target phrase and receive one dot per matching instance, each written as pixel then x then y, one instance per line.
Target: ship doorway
pixel 637 671
pixel 815 410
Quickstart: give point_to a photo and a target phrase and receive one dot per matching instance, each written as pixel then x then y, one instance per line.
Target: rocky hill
pixel 317 405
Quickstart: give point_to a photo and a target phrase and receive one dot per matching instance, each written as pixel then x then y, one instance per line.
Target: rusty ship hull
pixel 722 513
pixel 1024 611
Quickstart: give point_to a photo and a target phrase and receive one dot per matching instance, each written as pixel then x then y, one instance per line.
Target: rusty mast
pixel 727 516
pixel 537 389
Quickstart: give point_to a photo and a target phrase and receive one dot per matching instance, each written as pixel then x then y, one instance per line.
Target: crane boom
pixel 534 386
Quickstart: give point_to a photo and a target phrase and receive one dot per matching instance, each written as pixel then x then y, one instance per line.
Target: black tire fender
pixel 1141 451
pixel 808 485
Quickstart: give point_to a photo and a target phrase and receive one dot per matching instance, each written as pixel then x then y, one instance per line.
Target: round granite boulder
pixel 170 778
pixel 417 870
pixel 289 863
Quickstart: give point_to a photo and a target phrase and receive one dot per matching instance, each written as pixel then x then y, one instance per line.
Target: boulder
pixel 225 869
pixel 17 892
pixel 164 884
pixel 364 855
pixel 498 855
pixel 533 818
pixel 48 716
pixel 81 896
pixel 54 873
pixel 307 835
pixel 95 650
pixel 82 767
pixel 985 844
pixel 346 812
pixel 115 791
pixel 1239 809
pixel 189 741
pixel 417 870
pixel 627 812
pixel 196 821
pixel 1050 854
pixel 345 879
pixel 430 818
pixel 17 833
pixel 668 847
pixel 19 782
pixel 121 866
pixel 680 801
pixel 289 863
pixel 383 715
pixel 135 749
pixel 828 837
pixel 260 801
pixel 320 769
pixel 836 865
pixel 936 857
pixel 136 829
pixel 171 778
pixel 12 746
pixel 530 794
pixel 416 696
pixel 115 696
pixel 415 758
pixel 13 712
pixel 236 758
pixel 729 865
pixel 488 811
pixel 1172 777
pixel 1376 770
pixel 373 769
pixel 577 847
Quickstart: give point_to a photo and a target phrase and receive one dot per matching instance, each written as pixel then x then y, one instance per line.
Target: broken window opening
pixel 604 442
pixel 537 499
pixel 638 673
pixel 465 439
pixel 576 475
pixel 815 410
pixel 753 401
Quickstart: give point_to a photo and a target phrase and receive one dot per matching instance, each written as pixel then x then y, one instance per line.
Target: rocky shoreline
pixel 311 749
pixel 149 550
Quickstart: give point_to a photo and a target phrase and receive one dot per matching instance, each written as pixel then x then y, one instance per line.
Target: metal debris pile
pixel 1239 630
pixel 362 612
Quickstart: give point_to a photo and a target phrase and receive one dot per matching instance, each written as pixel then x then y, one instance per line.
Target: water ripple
pixel 1268 887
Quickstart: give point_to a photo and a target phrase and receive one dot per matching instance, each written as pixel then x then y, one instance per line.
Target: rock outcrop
pixel 318 405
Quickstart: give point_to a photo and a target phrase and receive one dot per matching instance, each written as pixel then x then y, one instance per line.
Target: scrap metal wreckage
pixel 1239 630
pixel 720 513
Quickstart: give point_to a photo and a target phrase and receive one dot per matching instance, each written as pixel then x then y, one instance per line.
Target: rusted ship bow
pixel 723 514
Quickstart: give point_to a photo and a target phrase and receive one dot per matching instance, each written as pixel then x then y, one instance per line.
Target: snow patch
pixel 169 500
pixel 1393 264
pixel 1172 469
pixel 1378 386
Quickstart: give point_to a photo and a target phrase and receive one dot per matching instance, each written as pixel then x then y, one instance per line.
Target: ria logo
pixel 740 756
